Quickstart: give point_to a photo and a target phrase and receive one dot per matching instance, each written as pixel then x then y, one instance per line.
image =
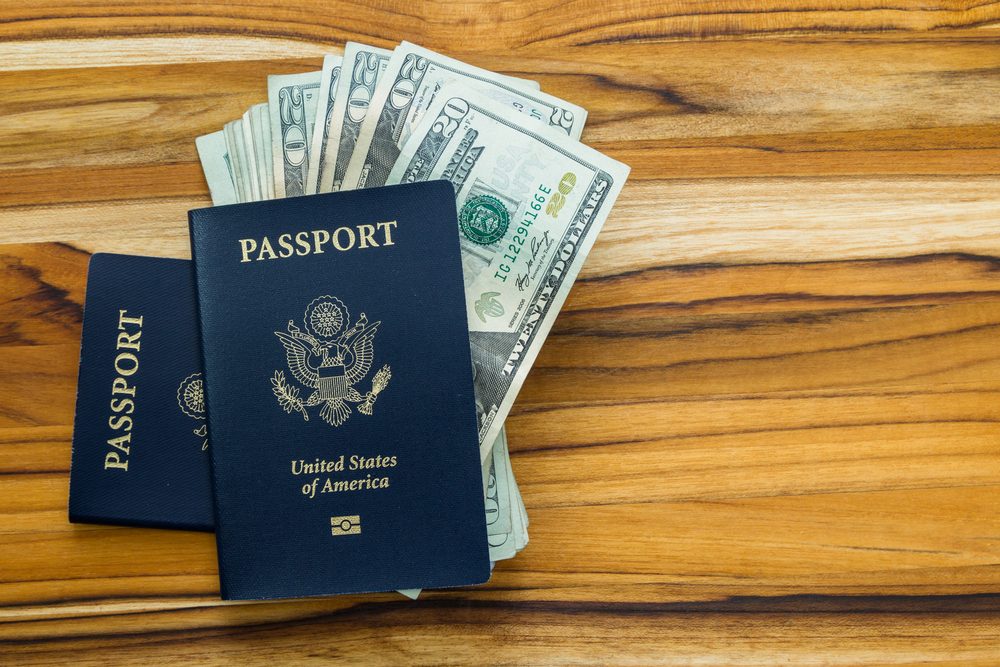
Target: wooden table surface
pixel 765 427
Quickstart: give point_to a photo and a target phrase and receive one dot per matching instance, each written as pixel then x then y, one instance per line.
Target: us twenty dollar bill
pixel 291 101
pixel 233 131
pixel 362 69
pixel 408 88
pixel 261 130
pixel 506 518
pixel 531 202
pixel 250 154
pixel 321 136
pixel 215 162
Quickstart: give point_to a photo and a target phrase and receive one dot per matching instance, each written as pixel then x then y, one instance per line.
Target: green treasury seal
pixel 484 219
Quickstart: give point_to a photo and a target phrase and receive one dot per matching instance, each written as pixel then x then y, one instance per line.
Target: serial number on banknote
pixel 519 240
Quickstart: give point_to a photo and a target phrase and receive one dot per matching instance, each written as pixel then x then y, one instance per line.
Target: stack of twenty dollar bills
pixel 531 199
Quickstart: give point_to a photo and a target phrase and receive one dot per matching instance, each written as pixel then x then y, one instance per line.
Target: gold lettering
pixel 317 244
pixel 114 459
pixel 311 242
pixel 387 228
pixel 129 341
pixel 120 386
pixel 285 241
pixel 126 356
pixel 121 443
pixel 121 422
pixel 248 246
pixel 350 237
pixel 302 241
pixel 265 247
pixel 126 365
pixel 111 460
pixel 367 235
pixel 122 320
pixel 126 405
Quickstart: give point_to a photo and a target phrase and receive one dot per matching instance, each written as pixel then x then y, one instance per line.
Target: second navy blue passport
pixel 140 434
pixel 340 397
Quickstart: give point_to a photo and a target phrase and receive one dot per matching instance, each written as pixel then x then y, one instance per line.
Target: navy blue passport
pixel 340 396
pixel 140 434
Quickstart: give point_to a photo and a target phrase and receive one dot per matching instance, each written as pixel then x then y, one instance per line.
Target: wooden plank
pixel 844 144
pixel 656 223
pixel 485 26
pixel 465 633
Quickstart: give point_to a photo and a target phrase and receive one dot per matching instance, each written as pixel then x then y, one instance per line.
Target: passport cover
pixel 340 398
pixel 139 436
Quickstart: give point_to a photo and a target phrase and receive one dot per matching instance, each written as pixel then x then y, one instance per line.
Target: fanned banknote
pixel 292 100
pixel 531 202
pixel 234 147
pixel 324 114
pixel 496 491
pixel 363 65
pixel 250 155
pixel 218 172
pixel 506 519
pixel 260 131
pixel 412 79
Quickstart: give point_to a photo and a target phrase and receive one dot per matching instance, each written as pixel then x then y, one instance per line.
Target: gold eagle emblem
pixel 329 355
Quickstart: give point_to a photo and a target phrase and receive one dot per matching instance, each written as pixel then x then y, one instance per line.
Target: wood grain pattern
pixel 765 428
pixel 486 26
